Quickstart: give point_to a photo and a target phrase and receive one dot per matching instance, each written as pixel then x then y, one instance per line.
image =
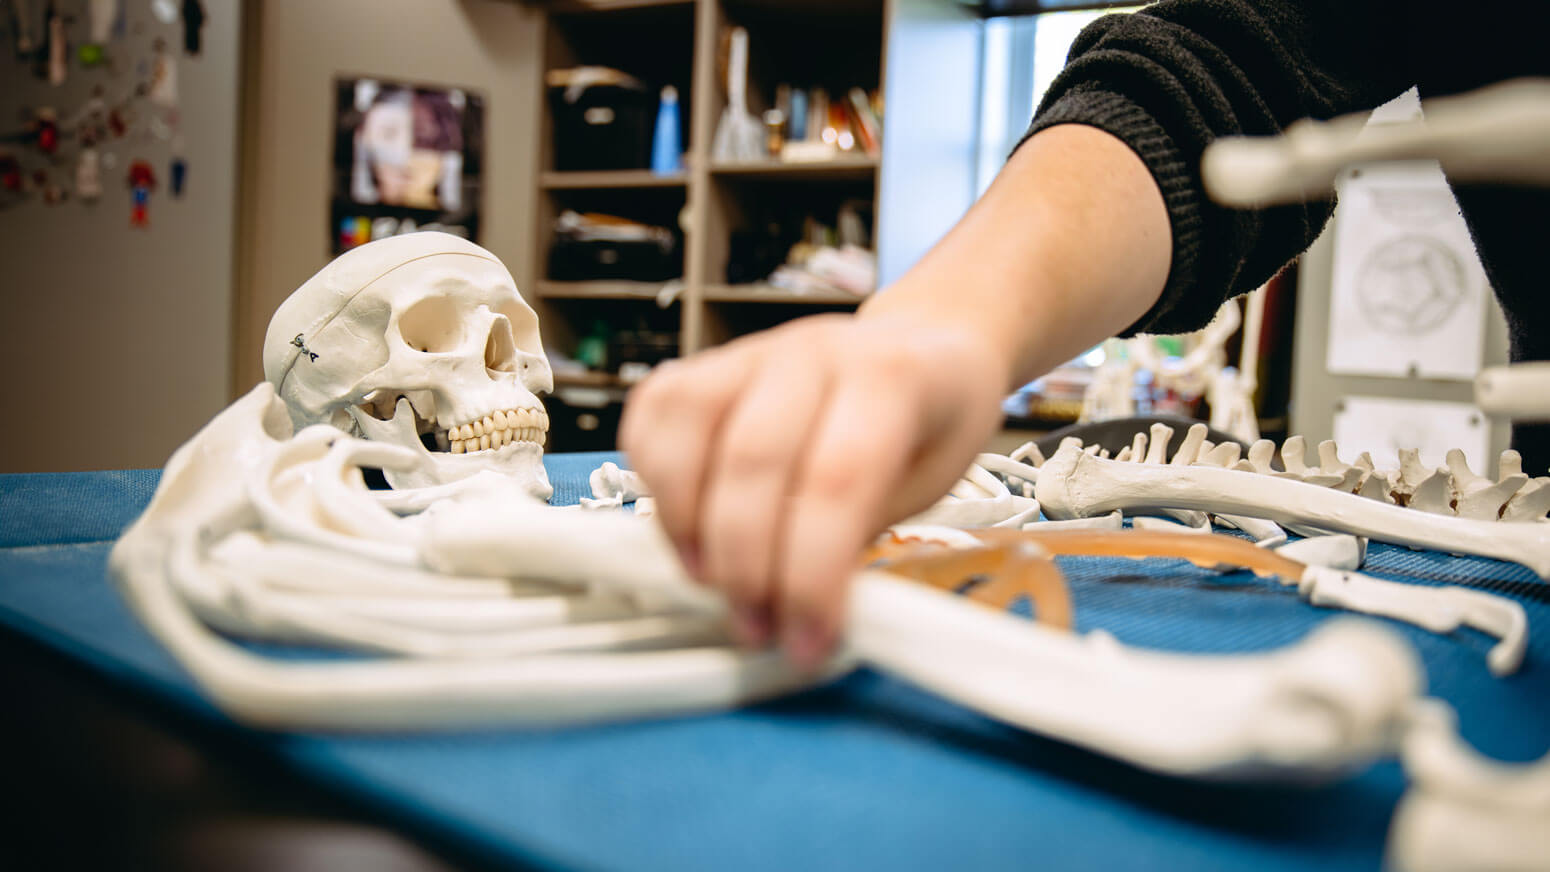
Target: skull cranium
pixel 423 341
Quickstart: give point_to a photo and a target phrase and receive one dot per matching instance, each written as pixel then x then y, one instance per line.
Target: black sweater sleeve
pixel 1169 79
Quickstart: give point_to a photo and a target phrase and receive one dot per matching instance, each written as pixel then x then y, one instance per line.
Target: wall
pixel 297 49
pixel 115 341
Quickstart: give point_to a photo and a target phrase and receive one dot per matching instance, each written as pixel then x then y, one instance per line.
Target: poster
pixel 1382 426
pixel 406 158
pixel 1408 295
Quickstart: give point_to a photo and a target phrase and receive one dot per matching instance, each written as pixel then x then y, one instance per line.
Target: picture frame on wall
pixel 407 157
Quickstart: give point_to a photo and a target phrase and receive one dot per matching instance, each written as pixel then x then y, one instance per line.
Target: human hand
pixel 775 459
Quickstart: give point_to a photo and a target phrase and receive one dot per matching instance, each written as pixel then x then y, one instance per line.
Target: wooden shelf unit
pixel 834 44
pixel 604 289
pixel 759 292
pixel 603 179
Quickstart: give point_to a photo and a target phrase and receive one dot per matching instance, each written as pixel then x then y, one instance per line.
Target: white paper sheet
pixel 1382 426
pixel 1408 294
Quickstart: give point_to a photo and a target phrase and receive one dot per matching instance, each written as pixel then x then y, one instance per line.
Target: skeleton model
pixel 1202 371
pixel 483 605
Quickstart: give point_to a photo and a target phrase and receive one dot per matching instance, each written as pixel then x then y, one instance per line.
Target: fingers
pixel 860 449
pixel 750 475
pixel 670 423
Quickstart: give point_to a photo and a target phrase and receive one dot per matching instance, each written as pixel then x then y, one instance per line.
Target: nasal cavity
pixel 500 350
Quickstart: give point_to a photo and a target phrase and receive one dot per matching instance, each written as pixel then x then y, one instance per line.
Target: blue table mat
pixel 867 772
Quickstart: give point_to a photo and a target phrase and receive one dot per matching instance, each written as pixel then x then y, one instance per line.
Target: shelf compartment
pixel 610 179
pixel 851 168
pixel 599 290
pixel 759 292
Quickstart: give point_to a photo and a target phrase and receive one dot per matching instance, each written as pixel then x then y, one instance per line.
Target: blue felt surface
pixel 865 773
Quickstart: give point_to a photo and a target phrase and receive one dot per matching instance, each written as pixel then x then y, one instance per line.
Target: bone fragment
pixel 1337 551
pixel 1006 466
pixel 1112 521
pixel 1138 447
pixel 1260 455
pixel 1510 463
pixel 1189 449
pixel 1375 486
pixel 1485 503
pixel 1294 455
pixel 1266 534
pixel 1464 811
pixel 1439 609
pixel 1224 455
pixel 1157 450
pixel 1028 453
pixel 1433 494
pixel 1529 504
pixel 1166 525
pixel 609 481
pixel 1329 458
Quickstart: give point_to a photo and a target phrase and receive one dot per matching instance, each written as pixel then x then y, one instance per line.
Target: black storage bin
pixel 575 259
pixel 650 347
pixel 607 127
pixel 582 428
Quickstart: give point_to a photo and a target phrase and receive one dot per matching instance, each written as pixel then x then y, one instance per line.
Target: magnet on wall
pixel 88 175
pixel 354 230
pixel 56 46
pixel 11 178
pixel 105 18
pixel 45 130
pixel 21 17
pixel 163 85
pixel 193 26
pixel 142 180
pixel 90 54
pixel 179 174
pixel 91 120
pixel 50 191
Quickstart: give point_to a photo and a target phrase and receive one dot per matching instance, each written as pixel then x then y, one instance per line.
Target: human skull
pixel 421 341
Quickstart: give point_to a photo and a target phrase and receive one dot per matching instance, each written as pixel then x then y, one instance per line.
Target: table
pixel 865 773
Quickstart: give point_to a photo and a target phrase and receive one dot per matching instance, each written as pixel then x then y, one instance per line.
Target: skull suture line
pixel 421 341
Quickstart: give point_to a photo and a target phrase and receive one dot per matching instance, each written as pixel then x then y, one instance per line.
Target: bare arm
pixel 1069 246
pixel 776 458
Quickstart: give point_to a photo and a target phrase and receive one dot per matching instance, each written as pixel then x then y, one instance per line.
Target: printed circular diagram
pixel 1411 284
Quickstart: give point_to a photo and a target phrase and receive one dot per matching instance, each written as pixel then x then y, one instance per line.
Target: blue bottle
pixel 666 153
pixel 796 129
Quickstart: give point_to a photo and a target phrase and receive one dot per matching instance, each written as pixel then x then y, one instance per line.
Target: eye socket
pixel 432 325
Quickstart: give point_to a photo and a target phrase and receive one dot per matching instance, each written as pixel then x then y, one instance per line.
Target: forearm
pixel 1070 245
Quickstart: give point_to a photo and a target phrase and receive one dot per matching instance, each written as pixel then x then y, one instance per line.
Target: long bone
pixel 1494 134
pixel 1323 705
pixel 1078 689
pixel 1072 484
pixel 1464 811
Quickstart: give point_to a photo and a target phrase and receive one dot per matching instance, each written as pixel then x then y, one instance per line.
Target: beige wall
pixel 296 49
pixel 115 342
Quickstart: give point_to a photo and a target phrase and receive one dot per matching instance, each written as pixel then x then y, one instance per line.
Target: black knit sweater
pixel 1171 78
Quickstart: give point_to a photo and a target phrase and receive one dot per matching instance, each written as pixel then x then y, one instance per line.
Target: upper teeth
pixel 496 430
